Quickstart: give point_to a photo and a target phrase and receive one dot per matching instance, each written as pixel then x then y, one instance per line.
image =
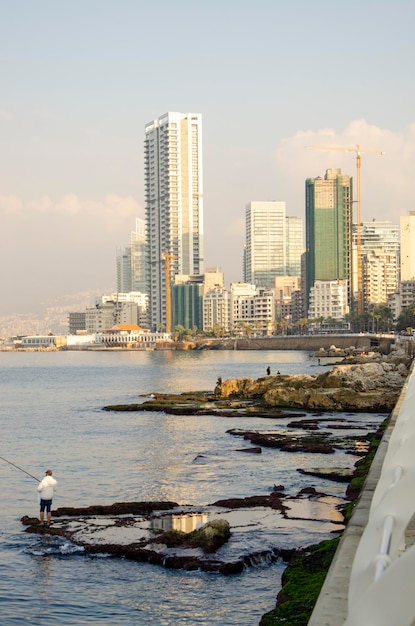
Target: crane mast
pixel 358 150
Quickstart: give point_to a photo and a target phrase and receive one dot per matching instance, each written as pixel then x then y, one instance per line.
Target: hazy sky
pixel 80 79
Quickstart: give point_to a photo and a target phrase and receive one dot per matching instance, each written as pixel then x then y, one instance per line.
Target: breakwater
pixel 312 343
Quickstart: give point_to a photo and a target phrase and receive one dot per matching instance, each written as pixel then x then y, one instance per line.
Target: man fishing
pixel 46 489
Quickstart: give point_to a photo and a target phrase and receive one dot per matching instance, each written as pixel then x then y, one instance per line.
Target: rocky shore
pixel 230 535
pixel 357 384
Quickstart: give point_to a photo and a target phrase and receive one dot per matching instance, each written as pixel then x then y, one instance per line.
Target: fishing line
pixel 19 468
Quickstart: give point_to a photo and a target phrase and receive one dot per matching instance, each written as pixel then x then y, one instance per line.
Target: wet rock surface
pixel 225 537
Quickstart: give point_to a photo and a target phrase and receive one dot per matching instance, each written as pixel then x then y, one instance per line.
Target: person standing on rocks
pixel 268 370
pixel 46 489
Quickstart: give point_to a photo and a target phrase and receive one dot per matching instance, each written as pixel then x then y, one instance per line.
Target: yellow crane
pixel 167 258
pixel 358 151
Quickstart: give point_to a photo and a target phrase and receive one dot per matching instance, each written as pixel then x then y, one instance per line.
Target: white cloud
pixel 106 213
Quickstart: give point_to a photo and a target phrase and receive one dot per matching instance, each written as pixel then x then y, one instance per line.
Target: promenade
pixel 331 608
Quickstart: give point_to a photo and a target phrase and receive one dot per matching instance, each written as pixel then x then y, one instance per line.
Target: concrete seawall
pixel 331 608
pixel 299 342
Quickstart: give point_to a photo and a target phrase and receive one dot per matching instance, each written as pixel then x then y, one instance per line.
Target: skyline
pixel 79 84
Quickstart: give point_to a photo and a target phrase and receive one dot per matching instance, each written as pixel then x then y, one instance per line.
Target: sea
pixel 52 417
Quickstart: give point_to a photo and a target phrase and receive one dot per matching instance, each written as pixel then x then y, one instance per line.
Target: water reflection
pixel 185 523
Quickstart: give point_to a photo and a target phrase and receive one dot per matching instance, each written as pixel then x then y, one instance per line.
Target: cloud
pixel 106 213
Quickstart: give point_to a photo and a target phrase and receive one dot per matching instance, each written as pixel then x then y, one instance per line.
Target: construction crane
pixel 167 258
pixel 358 151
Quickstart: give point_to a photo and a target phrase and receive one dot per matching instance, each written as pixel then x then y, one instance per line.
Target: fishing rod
pixel 19 468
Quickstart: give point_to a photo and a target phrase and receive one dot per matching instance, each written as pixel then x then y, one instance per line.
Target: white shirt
pixel 46 487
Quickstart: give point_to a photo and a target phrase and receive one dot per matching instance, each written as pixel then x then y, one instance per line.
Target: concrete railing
pixel 381 585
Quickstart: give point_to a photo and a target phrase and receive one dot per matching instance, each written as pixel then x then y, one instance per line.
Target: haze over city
pixel 79 81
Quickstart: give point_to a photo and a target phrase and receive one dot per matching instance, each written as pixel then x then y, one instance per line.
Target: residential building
pixel 382 237
pixel 107 314
pixel 379 277
pixel 174 204
pixel 216 309
pixel 138 298
pixel 328 299
pixel 328 230
pixel 403 297
pixel 252 307
pixel 283 288
pixel 407 227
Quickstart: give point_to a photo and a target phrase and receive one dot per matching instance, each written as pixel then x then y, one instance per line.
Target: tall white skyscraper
pixel 174 204
pixel 407 223
pixel 265 242
pixel 274 243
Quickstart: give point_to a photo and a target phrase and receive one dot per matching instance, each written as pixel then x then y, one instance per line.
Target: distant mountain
pixel 54 317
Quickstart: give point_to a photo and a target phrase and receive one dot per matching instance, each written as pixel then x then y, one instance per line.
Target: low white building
pixel 328 298
pixel 216 309
pixel 252 306
pixel 130 336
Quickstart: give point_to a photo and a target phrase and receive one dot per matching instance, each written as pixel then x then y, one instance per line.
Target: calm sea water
pixel 51 416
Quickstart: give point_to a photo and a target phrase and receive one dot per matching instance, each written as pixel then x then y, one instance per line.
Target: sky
pixel 79 81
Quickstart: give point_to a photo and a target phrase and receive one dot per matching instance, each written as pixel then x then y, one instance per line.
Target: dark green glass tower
pixel 328 214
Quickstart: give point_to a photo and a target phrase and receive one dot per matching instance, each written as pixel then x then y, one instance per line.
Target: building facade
pixel 407 226
pixel 328 229
pixel 187 297
pixel 132 261
pixel 174 204
pixel 216 309
pixel 379 277
pixel 381 237
pixel 328 299
pixel 265 241
pixel 252 308
pixel 107 314
pixel 294 245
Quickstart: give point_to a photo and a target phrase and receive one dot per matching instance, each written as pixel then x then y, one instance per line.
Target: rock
pixel 371 385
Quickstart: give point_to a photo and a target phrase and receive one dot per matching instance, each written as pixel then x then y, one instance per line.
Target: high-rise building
pixel 174 205
pixel 294 245
pixel 124 269
pixel 265 243
pixel 132 261
pixel 379 261
pixel 379 277
pixel 139 257
pixel 328 229
pixel 407 223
